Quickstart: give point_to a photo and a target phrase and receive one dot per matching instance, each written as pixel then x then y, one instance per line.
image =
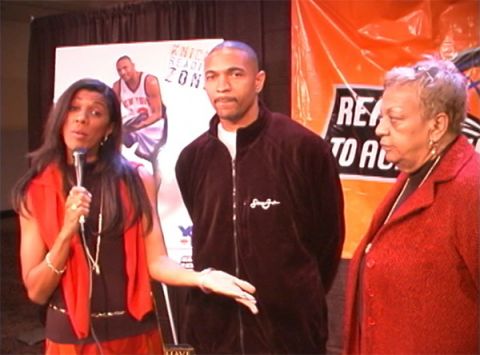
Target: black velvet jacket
pixel 274 217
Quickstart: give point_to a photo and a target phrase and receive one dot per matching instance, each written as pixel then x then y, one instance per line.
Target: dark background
pixel 19 317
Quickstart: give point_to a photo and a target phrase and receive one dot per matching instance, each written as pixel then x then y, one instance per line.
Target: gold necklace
pixel 394 206
pixel 437 159
pixel 93 263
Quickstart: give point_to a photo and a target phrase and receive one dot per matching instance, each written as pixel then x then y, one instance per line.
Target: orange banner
pixel 340 52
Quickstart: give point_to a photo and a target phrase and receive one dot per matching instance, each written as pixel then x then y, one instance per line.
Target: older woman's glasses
pixel 429 73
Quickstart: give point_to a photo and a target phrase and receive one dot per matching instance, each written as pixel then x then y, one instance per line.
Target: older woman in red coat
pixel 413 283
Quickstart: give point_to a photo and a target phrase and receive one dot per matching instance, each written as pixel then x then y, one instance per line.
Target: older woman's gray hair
pixel 441 88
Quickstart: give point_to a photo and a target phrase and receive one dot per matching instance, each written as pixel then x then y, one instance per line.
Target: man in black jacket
pixel 266 203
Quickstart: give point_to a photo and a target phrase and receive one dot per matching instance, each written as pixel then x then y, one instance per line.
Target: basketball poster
pixel 172 73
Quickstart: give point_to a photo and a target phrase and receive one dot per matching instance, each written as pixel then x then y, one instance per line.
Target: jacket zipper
pixel 235 246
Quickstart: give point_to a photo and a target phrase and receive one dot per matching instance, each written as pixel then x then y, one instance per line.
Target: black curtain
pixel 264 24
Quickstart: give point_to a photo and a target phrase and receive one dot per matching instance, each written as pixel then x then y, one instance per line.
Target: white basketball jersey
pixel 134 101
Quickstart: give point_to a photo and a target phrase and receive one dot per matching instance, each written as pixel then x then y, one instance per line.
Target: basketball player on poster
pixel 143 112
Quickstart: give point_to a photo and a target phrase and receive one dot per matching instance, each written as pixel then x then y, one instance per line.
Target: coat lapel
pixel 448 167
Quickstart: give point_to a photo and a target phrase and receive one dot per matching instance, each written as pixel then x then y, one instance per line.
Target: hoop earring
pixel 432 145
pixel 105 139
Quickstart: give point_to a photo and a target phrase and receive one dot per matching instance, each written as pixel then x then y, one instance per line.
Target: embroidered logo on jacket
pixel 264 204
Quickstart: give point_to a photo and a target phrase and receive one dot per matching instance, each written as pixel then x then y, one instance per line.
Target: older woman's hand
pixel 225 284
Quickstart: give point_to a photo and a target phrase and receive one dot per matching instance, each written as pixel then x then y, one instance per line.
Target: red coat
pixel 421 276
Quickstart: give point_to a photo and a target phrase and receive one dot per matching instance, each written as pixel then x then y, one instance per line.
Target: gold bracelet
pixel 53 268
pixel 203 275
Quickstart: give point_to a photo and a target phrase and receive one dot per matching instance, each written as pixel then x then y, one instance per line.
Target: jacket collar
pixel 447 169
pixel 246 135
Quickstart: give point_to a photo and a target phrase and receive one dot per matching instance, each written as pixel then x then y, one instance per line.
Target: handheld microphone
pixel 78 162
